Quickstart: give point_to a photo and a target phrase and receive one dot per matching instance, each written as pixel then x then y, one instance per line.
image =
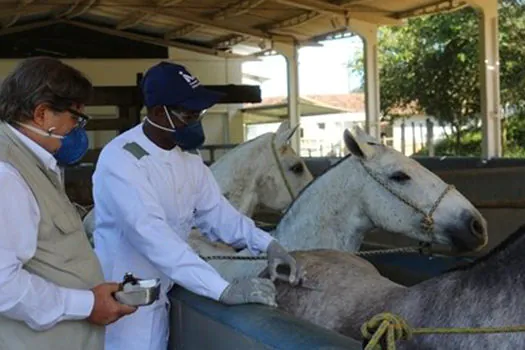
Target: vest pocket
pixel 66 224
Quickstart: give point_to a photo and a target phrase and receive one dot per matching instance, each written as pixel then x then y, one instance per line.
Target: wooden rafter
pixel 19 10
pixel 365 13
pixel 228 41
pixel 190 18
pixel 236 9
pixel 80 10
pixel 440 6
pixel 26 27
pixel 181 31
pixel 149 39
pixel 137 17
pixel 295 21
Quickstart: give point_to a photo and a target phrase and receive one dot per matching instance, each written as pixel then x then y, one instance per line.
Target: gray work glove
pixel 277 255
pixel 248 291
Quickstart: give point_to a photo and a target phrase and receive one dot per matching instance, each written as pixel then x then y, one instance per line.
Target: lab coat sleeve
pixel 219 220
pixel 125 188
pixel 26 297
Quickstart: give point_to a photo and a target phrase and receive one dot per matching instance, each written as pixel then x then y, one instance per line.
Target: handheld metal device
pixel 138 292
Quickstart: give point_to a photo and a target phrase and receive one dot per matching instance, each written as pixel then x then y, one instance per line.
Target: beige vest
pixel 63 255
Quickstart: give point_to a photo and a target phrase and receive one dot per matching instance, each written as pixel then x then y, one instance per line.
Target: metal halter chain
pixel 401 250
pixel 281 170
pixel 427 223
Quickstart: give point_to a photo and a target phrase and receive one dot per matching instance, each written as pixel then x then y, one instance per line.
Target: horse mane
pixel 313 181
pixel 497 250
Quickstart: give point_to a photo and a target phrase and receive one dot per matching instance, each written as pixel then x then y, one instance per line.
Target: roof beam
pixel 150 39
pixel 8 11
pixel 181 31
pixel 136 17
pixel 190 18
pixel 440 6
pixel 26 27
pixel 228 41
pixel 236 9
pixel 80 10
pixel 19 10
pixel 364 13
pixel 294 21
pixel 76 9
pixel 316 5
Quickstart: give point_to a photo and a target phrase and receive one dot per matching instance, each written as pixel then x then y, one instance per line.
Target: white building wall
pixel 322 135
pixel 320 140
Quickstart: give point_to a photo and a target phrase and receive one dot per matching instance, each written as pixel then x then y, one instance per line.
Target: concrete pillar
pixel 236 128
pixel 290 51
pixel 489 68
pixel 430 138
pixel 403 138
pixel 368 33
pixel 233 75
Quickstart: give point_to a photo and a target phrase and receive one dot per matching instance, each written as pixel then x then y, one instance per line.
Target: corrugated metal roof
pixel 215 26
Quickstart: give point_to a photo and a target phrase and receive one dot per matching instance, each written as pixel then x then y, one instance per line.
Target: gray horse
pixel 344 291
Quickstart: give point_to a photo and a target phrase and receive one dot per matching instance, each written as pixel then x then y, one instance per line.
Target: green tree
pixel 432 66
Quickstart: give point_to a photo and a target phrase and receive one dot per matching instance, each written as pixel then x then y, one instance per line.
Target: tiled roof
pixel 352 102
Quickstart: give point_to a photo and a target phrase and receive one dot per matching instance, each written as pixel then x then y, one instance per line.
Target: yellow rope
pixel 391 328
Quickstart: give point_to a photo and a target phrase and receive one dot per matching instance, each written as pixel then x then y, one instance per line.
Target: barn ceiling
pixel 216 27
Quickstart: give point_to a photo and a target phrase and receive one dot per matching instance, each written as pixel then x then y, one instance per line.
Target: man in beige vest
pixel 52 295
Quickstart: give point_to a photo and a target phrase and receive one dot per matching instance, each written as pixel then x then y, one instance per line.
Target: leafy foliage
pixel 431 65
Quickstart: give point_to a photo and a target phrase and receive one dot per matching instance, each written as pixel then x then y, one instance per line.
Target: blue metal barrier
pixel 200 323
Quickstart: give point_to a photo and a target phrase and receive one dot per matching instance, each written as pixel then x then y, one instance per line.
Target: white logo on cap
pixel 194 82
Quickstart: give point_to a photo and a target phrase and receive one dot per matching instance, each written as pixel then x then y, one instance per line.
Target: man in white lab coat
pixel 148 192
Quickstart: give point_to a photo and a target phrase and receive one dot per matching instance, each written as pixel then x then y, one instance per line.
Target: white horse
pixel 263 171
pixel 376 187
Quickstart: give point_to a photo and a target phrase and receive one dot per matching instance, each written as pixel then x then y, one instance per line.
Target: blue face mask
pixel 190 137
pixel 74 147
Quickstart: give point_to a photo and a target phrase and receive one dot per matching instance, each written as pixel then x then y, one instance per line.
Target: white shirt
pixel 144 211
pixel 25 296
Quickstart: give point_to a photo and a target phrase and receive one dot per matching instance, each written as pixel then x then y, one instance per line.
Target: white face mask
pixel 158 126
pixel 49 133
pixel 168 116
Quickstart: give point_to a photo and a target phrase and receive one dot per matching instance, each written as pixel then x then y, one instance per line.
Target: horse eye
pixel 399 176
pixel 297 168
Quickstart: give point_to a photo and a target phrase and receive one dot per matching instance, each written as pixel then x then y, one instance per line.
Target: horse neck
pixel 325 214
pixel 237 174
pixel 487 290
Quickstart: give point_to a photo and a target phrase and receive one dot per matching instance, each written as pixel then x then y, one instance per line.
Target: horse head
pixel 399 195
pixel 285 173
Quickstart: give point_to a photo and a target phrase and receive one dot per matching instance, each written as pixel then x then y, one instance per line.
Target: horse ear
pixel 285 126
pixel 357 143
pixel 284 133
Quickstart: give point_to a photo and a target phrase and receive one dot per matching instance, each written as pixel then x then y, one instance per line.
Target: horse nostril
pixel 477 228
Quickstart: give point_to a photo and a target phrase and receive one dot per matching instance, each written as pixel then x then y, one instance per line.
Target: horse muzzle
pixel 469 235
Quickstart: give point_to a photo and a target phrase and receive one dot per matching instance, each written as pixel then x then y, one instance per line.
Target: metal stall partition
pixel 198 323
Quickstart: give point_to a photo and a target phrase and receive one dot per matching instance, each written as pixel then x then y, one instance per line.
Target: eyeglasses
pixel 187 117
pixel 81 118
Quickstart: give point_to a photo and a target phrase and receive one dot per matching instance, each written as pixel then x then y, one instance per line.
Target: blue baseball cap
pixel 171 84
